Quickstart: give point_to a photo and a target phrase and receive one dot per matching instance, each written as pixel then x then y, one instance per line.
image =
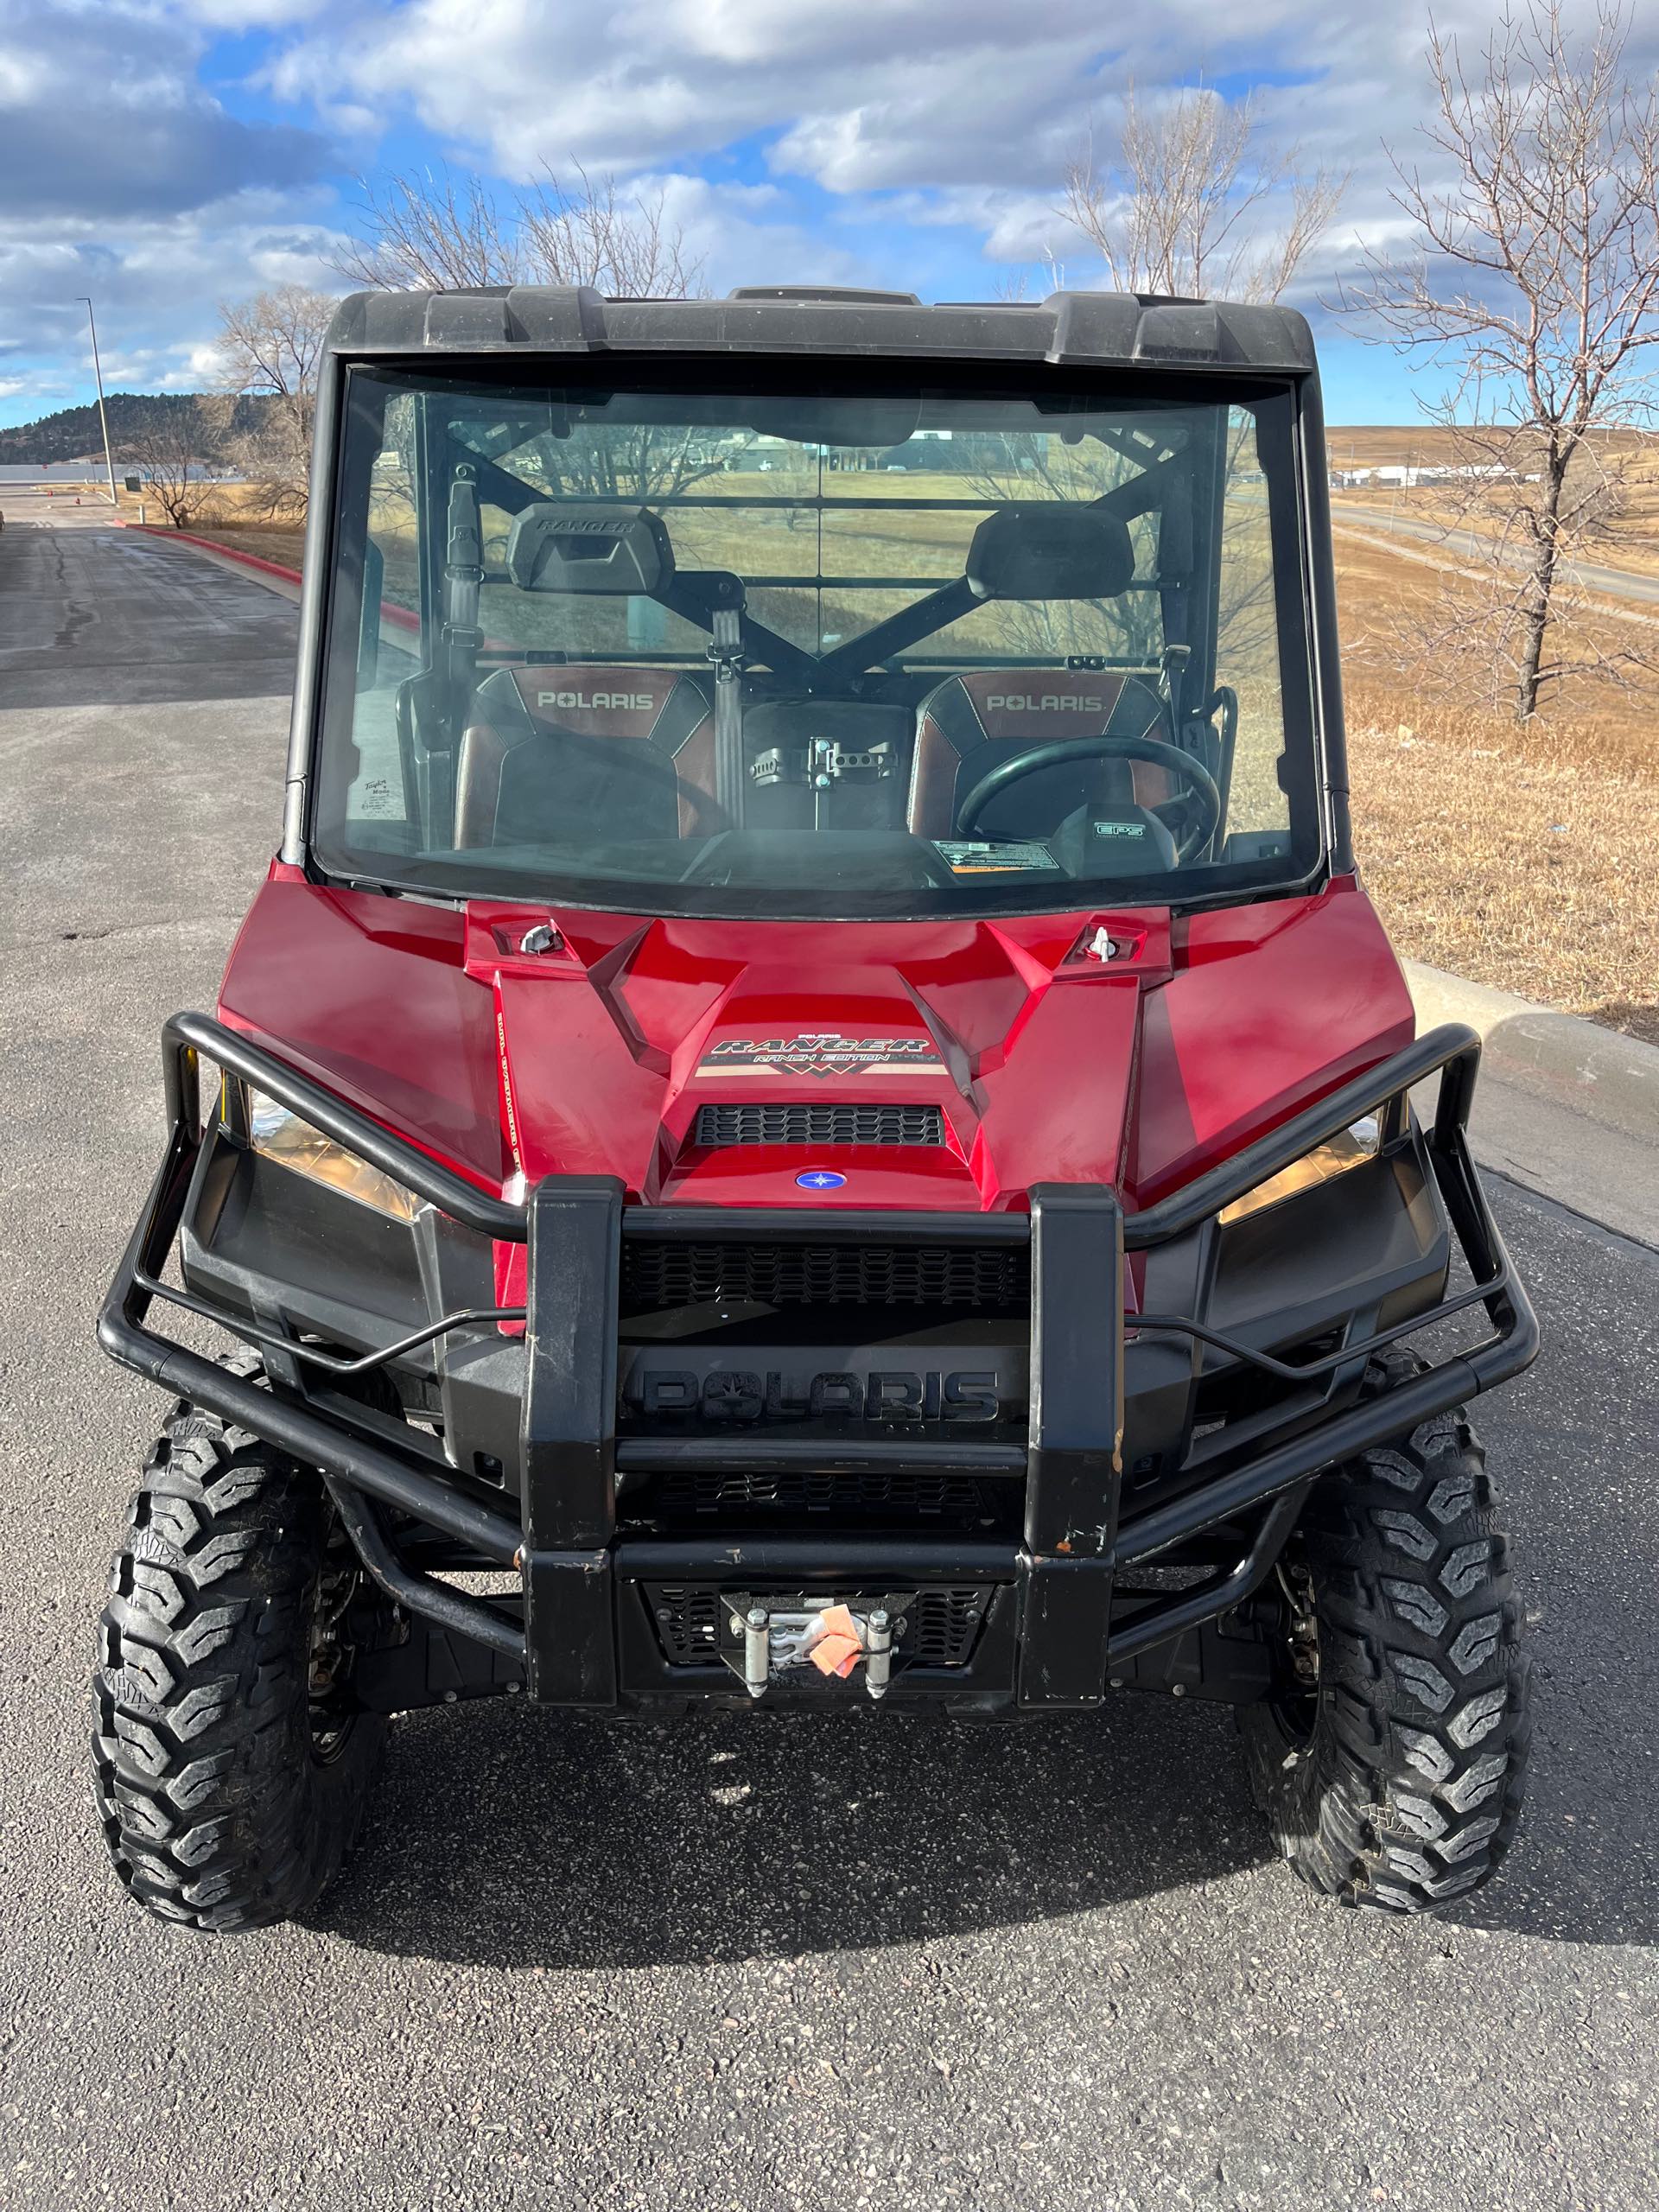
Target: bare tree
pixel 1193 205
pixel 1013 285
pixel 272 346
pixel 437 231
pixel 176 454
pixel 1536 287
pixel 426 232
pixel 627 247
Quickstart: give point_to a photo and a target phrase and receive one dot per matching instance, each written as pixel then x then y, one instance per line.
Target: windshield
pixel 882 651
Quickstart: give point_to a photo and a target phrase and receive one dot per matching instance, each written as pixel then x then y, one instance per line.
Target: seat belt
pixel 726 654
pixel 463 578
pixel 432 707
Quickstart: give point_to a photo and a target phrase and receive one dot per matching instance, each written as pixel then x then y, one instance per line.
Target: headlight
pixel 275 1133
pixel 1350 1147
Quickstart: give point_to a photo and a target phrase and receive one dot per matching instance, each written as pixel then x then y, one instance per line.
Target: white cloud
pixel 899 137
pixel 950 98
pixel 646 82
pixel 157 283
pixel 733 230
pixel 251 15
pixel 105 117
pixel 22 78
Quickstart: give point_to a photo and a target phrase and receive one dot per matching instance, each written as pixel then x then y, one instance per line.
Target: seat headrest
pixel 1048 550
pixel 611 552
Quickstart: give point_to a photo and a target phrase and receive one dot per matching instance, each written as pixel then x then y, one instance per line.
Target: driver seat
pixel 969 724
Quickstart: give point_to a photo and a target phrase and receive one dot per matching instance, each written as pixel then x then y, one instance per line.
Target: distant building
pixel 1403 475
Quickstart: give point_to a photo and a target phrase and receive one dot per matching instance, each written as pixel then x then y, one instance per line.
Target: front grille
pixel 983 1278
pixel 942 1622
pixel 810 1122
pixel 862 1497
pixel 685 1621
pixel 943 1625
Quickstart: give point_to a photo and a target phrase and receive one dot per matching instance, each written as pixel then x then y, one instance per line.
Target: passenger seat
pixel 620 752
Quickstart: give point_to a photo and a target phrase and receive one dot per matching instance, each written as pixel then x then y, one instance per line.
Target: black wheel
pixel 1390 1763
pixel 231 1763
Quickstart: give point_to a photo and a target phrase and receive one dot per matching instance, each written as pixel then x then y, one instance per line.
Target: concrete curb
pixel 1610 1079
pixel 211 545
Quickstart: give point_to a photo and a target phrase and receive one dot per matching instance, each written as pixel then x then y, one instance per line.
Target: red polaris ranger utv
pixel 812 1114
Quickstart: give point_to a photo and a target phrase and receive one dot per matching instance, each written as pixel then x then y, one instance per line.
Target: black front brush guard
pixel 566 1547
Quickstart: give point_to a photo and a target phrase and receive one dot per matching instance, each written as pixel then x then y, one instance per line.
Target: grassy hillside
pixel 74 431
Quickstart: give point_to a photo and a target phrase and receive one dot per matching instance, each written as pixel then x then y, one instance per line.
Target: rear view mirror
pixel 368 635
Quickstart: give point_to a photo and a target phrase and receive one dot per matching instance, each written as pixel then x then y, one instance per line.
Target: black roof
pixel 1110 328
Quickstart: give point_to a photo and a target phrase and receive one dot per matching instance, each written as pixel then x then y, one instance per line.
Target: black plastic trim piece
pixel 469 1317
pixel 816 1559
pixel 1080 328
pixel 821 1225
pixel 884 1454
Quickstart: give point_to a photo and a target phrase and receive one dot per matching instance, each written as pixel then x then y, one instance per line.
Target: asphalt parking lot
pixel 749 1964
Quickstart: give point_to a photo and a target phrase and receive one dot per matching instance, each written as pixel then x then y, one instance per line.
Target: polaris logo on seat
pixel 1051 703
pixel 633 701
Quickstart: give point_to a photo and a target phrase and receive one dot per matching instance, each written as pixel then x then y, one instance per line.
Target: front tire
pixel 231 1766
pixel 1390 1763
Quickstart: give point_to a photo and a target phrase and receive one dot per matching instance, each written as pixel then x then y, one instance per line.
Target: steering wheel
pixel 1061 751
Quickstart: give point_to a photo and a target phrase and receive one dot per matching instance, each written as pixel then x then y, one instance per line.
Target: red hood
pixel 1047 1065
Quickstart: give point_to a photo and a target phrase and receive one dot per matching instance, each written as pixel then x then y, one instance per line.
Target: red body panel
pixel 1048 1065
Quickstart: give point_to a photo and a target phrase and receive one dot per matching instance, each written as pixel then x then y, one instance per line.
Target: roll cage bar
pixel 694 594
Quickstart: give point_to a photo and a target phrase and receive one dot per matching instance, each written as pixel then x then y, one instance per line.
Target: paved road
pixel 1473 545
pixel 94 615
pixel 756 1963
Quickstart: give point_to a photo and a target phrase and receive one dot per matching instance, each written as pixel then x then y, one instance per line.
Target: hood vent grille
pixel 984 1278
pixel 813 1122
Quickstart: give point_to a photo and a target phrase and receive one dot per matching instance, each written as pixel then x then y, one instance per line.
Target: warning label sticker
pixel 993 856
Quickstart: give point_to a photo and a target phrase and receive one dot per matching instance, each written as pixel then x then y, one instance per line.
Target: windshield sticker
pixel 994 857
pixel 822 1053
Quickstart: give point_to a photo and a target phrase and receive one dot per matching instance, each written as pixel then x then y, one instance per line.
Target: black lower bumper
pixel 1053 1626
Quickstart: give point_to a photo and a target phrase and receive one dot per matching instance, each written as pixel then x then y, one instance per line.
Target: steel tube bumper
pixel 566 1543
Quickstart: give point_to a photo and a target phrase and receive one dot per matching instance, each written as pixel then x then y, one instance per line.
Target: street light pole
pixel 98 370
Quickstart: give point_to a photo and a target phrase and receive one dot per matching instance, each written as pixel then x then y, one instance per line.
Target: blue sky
pixel 165 154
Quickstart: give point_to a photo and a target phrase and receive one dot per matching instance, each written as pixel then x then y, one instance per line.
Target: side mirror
pixel 368 634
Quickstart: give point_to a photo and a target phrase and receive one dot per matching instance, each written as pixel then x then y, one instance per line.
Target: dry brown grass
pixel 1631 538
pixel 230 516
pixel 271 542
pixel 1523 857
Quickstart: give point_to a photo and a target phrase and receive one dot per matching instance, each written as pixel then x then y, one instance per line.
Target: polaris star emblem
pixel 821 1179
pixel 821 1053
